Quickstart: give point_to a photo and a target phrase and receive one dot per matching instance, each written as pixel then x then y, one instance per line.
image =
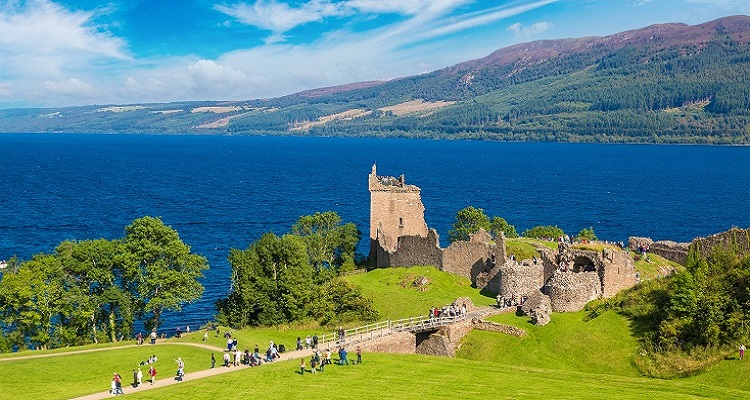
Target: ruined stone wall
pixel 495 327
pixel 670 250
pixel 396 210
pixel 399 342
pixel 411 251
pixel 470 258
pixel 514 279
pixel 733 239
pixel 617 273
pixel 570 291
pixel 636 242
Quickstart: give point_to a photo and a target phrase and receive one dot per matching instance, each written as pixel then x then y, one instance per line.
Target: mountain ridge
pixel 665 83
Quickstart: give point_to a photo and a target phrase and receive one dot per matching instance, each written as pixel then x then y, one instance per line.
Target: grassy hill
pixel 567 359
pixel 395 295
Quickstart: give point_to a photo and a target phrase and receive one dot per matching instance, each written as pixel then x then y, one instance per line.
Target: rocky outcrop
pixel 538 307
pixel 570 291
pixel 437 344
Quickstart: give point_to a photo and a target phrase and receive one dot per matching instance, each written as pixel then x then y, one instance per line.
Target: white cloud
pixel 207 73
pixel 523 33
pixel 70 87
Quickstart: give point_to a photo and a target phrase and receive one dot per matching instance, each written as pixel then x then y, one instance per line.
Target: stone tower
pixel 395 210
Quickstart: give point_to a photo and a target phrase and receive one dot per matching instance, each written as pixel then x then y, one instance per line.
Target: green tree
pixel 499 224
pixel 272 282
pixel 33 298
pixel 543 232
pixel 167 271
pixel 99 269
pixel 469 220
pixel 338 301
pixel 587 233
pixel 328 241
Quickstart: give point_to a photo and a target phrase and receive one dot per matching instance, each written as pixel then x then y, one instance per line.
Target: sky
pixel 81 52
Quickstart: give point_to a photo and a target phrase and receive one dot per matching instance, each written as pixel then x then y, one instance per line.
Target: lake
pixel 222 192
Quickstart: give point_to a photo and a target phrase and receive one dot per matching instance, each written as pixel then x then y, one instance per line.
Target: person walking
pixel 742 351
pixel 213 361
pixel 302 366
pixel 139 377
pixel 359 355
pixel 118 383
pixel 152 374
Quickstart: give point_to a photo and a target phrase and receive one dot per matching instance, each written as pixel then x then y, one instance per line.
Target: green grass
pixel 521 250
pixel 25 353
pixel 603 345
pixel 65 376
pixel 655 266
pixel 249 337
pixel 394 296
pixel 545 243
pixel 390 376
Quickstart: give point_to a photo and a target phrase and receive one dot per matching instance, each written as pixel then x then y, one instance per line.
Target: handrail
pixel 383 328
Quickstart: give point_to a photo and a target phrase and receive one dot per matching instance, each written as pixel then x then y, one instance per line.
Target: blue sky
pixel 75 52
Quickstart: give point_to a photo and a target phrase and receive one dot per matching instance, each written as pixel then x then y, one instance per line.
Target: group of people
pixel 319 359
pixel 450 310
pixel 505 302
pixel 116 385
pixel 309 343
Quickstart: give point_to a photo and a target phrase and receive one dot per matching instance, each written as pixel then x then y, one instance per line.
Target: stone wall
pixel 670 250
pixel 734 239
pixel 636 242
pixel 470 258
pixel 399 342
pixel 617 273
pixel 570 291
pixel 495 327
pixel 519 279
pixel 411 251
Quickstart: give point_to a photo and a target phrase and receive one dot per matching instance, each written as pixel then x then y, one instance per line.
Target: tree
pixel 543 232
pixel 33 299
pixel 272 282
pixel 587 233
pixel 329 243
pixel 499 224
pixel 469 220
pixel 98 267
pixel 338 301
pixel 166 270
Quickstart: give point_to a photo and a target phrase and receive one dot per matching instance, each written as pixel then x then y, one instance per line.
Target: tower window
pixel 400 222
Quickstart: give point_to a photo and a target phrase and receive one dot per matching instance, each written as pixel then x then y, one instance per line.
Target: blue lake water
pixel 222 192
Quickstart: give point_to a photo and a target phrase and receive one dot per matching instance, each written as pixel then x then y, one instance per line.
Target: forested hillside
pixel 669 83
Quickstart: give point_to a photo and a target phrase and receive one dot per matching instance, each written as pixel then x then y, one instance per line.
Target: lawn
pixel 390 376
pixel 65 376
pixel 602 345
pixel 395 297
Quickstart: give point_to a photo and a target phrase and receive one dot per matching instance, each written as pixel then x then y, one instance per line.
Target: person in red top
pixel 152 374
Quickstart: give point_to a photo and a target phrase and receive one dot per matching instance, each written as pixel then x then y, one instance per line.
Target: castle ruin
pixel 569 276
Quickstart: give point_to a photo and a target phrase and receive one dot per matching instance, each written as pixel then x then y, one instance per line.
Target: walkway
pixel 353 336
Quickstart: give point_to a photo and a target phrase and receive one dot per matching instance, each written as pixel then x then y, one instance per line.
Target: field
pixel 567 359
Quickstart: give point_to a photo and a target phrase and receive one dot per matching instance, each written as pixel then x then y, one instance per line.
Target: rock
pixel 539 307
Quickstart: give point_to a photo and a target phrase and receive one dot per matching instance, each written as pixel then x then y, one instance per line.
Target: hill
pixel 668 83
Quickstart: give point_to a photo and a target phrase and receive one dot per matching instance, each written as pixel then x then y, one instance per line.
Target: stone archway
pixel 584 264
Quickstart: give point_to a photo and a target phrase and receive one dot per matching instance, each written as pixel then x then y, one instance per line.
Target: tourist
pixel 342 356
pixel 308 342
pixel 315 341
pixel 139 377
pixel 178 333
pixel 180 374
pixel 139 338
pixel 237 355
pixel 213 361
pixel 152 374
pixel 302 366
pixel 742 351
pixel 328 356
pixel 359 355
pixel 313 365
pixel 230 343
pixel 226 359
pixel 152 336
pixel 118 383
pixel 113 387
pixel 135 378
pixel 205 336
pixel 299 343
